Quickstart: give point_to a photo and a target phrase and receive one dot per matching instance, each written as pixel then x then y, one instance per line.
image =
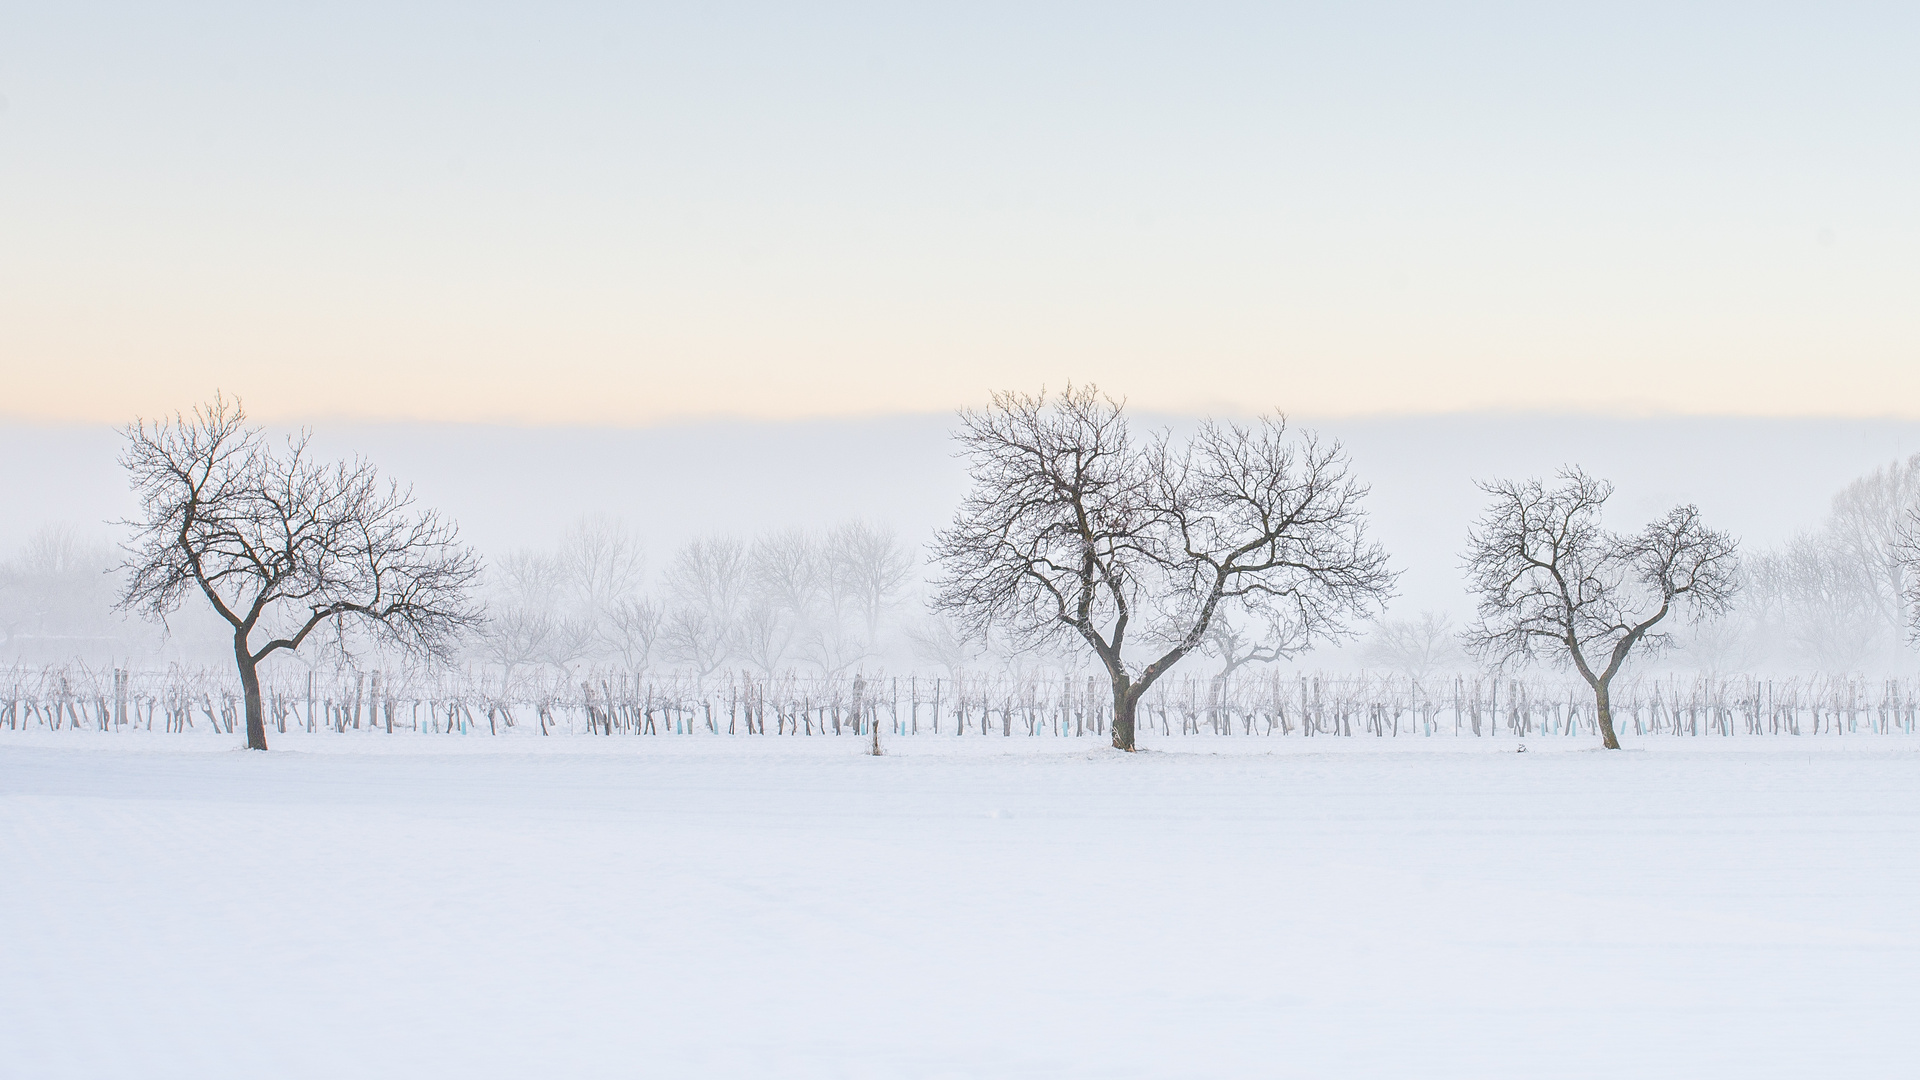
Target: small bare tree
pixel 873 568
pixel 525 623
pixel 58 586
pixel 517 636
pixel 1554 583
pixel 1075 532
pixel 706 589
pixel 937 641
pixel 1416 647
pixel 280 544
pixel 603 563
pixel 633 629
pixel 1828 601
pixel 783 577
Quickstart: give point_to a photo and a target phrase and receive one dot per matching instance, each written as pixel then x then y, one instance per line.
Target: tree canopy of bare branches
pixel 706 589
pixel 1553 583
pixel 1236 644
pixel 576 602
pixel 1869 523
pixel 1074 531
pixel 1416 647
pixel 872 568
pixel 280 544
pixel 1824 599
pixel 57 589
pixel 820 598
pixel 1908 552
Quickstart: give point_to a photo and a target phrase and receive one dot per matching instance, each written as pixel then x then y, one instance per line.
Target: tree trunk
pixel 250 682
pixel 1124 701
pixel 1603 708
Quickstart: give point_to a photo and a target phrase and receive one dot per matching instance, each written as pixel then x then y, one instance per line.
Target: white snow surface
pixel 374 906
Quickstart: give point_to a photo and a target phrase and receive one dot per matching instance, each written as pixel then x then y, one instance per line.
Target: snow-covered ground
pixel 372 906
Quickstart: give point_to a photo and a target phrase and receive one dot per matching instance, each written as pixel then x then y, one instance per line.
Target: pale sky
pixel 617 214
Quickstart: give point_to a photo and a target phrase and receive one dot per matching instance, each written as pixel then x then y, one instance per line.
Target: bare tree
pixel 633 630
pixel 1908 552
pixel 1826 599
pixel 603 566
pixel 1836 598
pixel 831 635
pixel 57 590
pixel 280 544
pixel 809 597
pixel 764 635
pixel 873 568
pixel 523 610
pixel 531 616
pixel 783 585
pixel 830 641
pixel 576 602
pixel 1072 531
pixel 516 636
pixel 1553 582
pixel 706 589
pixel 1414 647
pixel 1869 524
pixel 527 578
pixel 937 641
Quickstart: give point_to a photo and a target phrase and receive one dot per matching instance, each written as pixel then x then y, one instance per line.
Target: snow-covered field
pixel 372 906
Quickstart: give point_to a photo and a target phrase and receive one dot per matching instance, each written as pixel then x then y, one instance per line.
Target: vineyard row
pixel 1003 704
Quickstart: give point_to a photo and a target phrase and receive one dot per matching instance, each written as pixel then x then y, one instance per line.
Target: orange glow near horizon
pixel 614 217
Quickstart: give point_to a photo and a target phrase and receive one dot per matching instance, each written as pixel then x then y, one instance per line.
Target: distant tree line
pixel 822 601
pixel 1081 542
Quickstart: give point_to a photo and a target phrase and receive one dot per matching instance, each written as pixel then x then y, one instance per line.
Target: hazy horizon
pixel 513 487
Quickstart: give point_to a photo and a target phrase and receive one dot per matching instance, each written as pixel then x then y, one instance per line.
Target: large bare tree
pixel 1555 584
pixel 281 544
pixel 1076 532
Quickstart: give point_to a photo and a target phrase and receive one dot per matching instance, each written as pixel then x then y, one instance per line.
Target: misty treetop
pixel 59 591
pixel 1843 593
pixel 790 596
